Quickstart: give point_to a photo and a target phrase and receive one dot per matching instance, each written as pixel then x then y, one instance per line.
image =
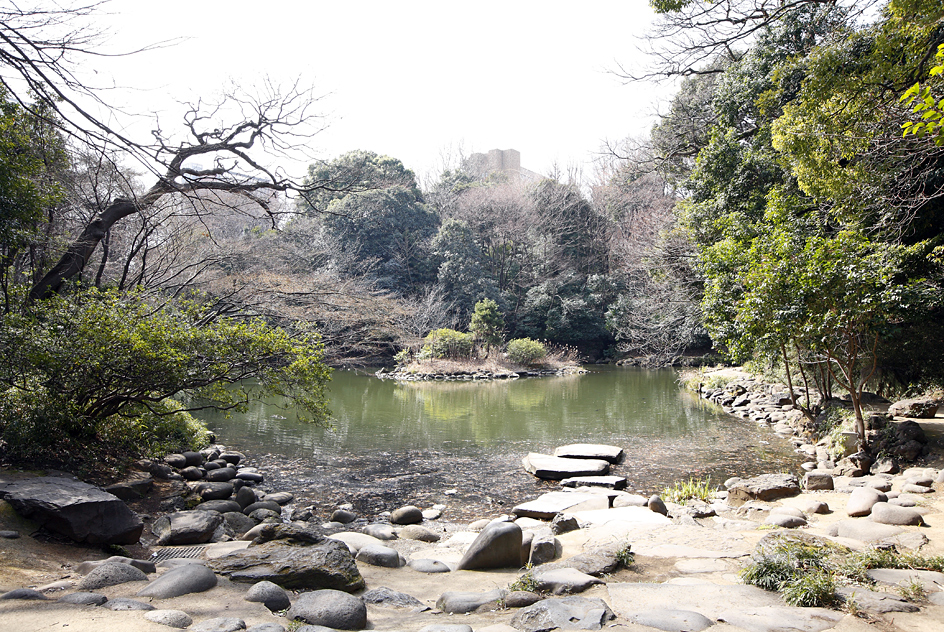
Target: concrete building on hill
pixel 503 162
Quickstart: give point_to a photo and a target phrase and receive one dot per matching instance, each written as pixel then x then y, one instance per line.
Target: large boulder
pixel 331 609
pixel 917 408
pixel 77 510
pixel 186 527
pixel 765 487
pixel 497 546
pixel 292 558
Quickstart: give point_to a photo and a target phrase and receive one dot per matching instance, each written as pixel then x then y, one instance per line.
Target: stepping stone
pixel 884 513
pixel 564 581
pixel 863 530
pixel 611 482
pixel 455 602
pixel 765 487
pixel 557 468
pixel 673 620
pixel 548 505
pixel 861 500
pixel 609 453
pixel 930 580
pixel 779 618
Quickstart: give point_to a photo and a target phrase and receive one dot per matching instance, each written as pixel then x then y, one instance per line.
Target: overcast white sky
pixel 411 79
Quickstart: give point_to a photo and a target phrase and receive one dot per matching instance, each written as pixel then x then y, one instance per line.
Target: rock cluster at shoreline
pixel 473 375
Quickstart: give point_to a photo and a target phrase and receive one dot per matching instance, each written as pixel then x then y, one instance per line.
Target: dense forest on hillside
pixel 786 209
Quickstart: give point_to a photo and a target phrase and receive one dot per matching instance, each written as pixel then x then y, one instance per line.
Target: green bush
pixel 447 344
pixel 525 351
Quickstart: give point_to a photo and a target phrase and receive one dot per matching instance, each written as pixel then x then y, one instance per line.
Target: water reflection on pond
pixel 393 441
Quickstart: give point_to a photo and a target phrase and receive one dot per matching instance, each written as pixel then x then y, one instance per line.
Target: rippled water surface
pixel 462 442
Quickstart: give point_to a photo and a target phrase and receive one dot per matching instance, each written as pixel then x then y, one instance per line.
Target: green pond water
pixel 425 442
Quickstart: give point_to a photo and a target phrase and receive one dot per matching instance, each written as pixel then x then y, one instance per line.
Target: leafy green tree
pixel 461 273
pixel 73 366
pixel 487 323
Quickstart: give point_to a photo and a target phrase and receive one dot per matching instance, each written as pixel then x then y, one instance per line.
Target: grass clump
pixel 680 492
pixel 625 556
pixel 912 590
pixel 525 582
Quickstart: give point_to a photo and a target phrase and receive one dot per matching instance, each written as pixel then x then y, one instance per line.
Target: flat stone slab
pixel 875 602
pixel 931 580
pixel 610 482
pixel 672 620
pixel 765 487
pixel 746 607
pixel 548 505
pixel 558 468
pixel 863 530
pixel 641 515
pixel 610 453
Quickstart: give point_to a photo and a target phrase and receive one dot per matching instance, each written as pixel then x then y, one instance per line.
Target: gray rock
pixel 656 504
pixel 111 574
pixel 566 613
pixel 245 497
pixel 918 408
pixel 220 506
pixel 421 534
pixel 497 546
pixel 123 604
pixel 380 531
pixel 132 488
pixel 564 581
pixel 564 523
pixel 330 608
pixel 909 488
pixel 785 521
pixel 543 549
pixel 884 513
pixel 521 599
pixel 176 460
pixel 24 593
pixel 610 482
pixel 183 580
pixel 186 527
pixel 903 501
pixel 233 457
pixel 630 500
pixel 84 598
pixel 462 602
pixel 863 530
pixel 446 627
pixel 817 480
pixel 193 458
pixel 377 555
pixel 87 567
pixel 766 487
pixel 923 481
pixel 263 504
pixel 9 534
pixel 325 564
pixel 930 580
pixel 874 602
pixel 266 515
pixel 272 596
pixel 389 598
pixel 908 540
pixel 779 618
pixel 193 473
pixel 597 562
pixel 343 516
pixel 216 490
pixel 407 515
pixel 610 453
pixel 557 468
pixel 238 522
pixel 548 505
pixel 250 477
pixel 280 498
pixel 176 562
pixel 220 624
pixel 170 618
pixel 428 566
pixel 271 627
pixel 861 500
pixel 672 620
pixel 74 509
pixel 222 474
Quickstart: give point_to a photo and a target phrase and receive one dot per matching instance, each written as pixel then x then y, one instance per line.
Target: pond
pixel 461 443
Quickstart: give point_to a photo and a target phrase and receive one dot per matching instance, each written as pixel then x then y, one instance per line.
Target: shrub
pixel 447 344
pixel 693 488
pixel 525 351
